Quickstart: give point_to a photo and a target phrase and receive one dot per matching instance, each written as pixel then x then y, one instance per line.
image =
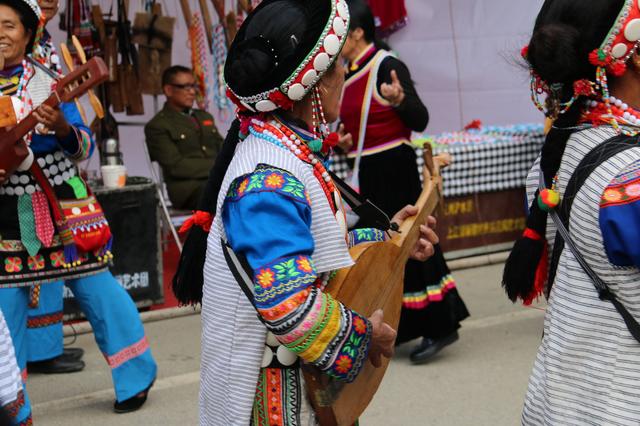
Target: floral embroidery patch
pixel 621 193
pixel 36 262
pixel 57 259
pixel 13 264
pixel 271 179
pixel 365 235
pixel 273 282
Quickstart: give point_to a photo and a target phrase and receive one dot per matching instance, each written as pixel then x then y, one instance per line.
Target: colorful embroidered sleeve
pixel 620 217
pixel 267 217
pixel 79 144
pixel 366 235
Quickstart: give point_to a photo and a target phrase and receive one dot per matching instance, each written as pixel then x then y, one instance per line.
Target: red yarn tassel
pixel 542 271
pixel 200 218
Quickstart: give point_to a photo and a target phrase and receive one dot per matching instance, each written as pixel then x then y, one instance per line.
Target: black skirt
pixel 17 267
pixel 431 304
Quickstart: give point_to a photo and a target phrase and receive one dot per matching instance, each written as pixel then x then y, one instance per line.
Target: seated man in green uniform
pixel 182 139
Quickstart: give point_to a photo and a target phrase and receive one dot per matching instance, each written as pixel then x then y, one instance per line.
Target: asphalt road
pixel 479 380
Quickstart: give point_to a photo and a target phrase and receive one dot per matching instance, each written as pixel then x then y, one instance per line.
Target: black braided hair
pixel 362 17
pixel 188 280
pixel 565 32
pixel 274 39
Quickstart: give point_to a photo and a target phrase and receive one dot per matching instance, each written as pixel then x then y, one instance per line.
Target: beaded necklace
pixel 612 113
pixel 26 104
pixel 283 137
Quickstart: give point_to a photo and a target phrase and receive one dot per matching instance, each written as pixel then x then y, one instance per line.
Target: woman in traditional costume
pixel 380 109
pixel 278 208
pixel 34 251
pixel 12 398
pixel 584 57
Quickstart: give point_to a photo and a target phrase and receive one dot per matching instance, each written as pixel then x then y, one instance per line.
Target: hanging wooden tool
pixel 218 6
pixel 246 6
pixel 68 60
pixel 128 70
pixel 93 99
pixel 153 34
pixel 231 24
pixel 199 54
pixel 208 24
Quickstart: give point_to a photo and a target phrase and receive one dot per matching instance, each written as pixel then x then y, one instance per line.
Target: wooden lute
pixel 13 149
pixel 374 282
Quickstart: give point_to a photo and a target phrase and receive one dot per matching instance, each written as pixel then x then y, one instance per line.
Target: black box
pixel 134 217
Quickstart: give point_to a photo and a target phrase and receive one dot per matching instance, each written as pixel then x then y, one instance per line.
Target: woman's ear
pixel 635 58
pixel 357 34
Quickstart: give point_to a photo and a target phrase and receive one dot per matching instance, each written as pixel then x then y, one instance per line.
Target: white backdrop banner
pixel 463 56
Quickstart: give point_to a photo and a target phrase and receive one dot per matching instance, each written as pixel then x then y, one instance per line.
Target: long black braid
pixel 564 34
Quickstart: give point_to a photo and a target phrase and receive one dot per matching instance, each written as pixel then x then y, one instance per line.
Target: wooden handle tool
pixel 93 99
pixel 68 60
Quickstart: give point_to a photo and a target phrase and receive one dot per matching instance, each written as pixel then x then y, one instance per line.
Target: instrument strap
pixel 43 68
pixel 379 57
pixel 368 212
pixel 561 216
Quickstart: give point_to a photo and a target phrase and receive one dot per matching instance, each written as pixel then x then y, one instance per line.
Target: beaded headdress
pixel 610 58
pixel 33 5
pixel 307 73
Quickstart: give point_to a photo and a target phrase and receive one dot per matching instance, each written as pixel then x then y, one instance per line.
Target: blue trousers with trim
pixel 116 325
pixel 46 341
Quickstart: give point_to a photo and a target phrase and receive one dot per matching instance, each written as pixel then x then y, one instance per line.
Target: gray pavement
pixel 480 380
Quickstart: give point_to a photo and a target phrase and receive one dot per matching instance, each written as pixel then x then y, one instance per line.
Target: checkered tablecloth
pixel 493 159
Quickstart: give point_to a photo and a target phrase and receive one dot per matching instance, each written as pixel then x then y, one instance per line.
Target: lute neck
pixel 409 232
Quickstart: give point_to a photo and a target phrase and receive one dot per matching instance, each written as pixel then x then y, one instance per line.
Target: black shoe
pixel 428 348
pixel 132 404
pixel 74 354
pixel 58 365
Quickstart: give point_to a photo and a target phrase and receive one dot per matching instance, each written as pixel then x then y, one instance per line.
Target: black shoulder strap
pixel 242 272
pixel 589 163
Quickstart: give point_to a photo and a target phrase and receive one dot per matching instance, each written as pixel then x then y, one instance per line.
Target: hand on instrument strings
pixel 394 93
pixel 53 119
pixel 424 246
pixel 346 140
pixel 383 338
pixel 3 176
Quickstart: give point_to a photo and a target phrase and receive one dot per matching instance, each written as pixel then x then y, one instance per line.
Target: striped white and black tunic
pixel 587 370
pixel 10 378
pixel 233 338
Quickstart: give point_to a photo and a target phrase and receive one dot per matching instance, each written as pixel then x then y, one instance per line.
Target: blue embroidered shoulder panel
pixel 267 178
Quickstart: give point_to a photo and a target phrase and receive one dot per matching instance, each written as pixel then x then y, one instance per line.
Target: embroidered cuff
pixel 77 145
pixel 352 355
pixel 366 235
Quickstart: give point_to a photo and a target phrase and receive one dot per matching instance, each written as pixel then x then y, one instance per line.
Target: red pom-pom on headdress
pixel 599 58
pixel 525 52
pixel 617 68
pixel 281 100
pixel 583 88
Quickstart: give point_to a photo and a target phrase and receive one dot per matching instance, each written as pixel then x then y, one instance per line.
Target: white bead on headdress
pixel 33 4
pixel 308 72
